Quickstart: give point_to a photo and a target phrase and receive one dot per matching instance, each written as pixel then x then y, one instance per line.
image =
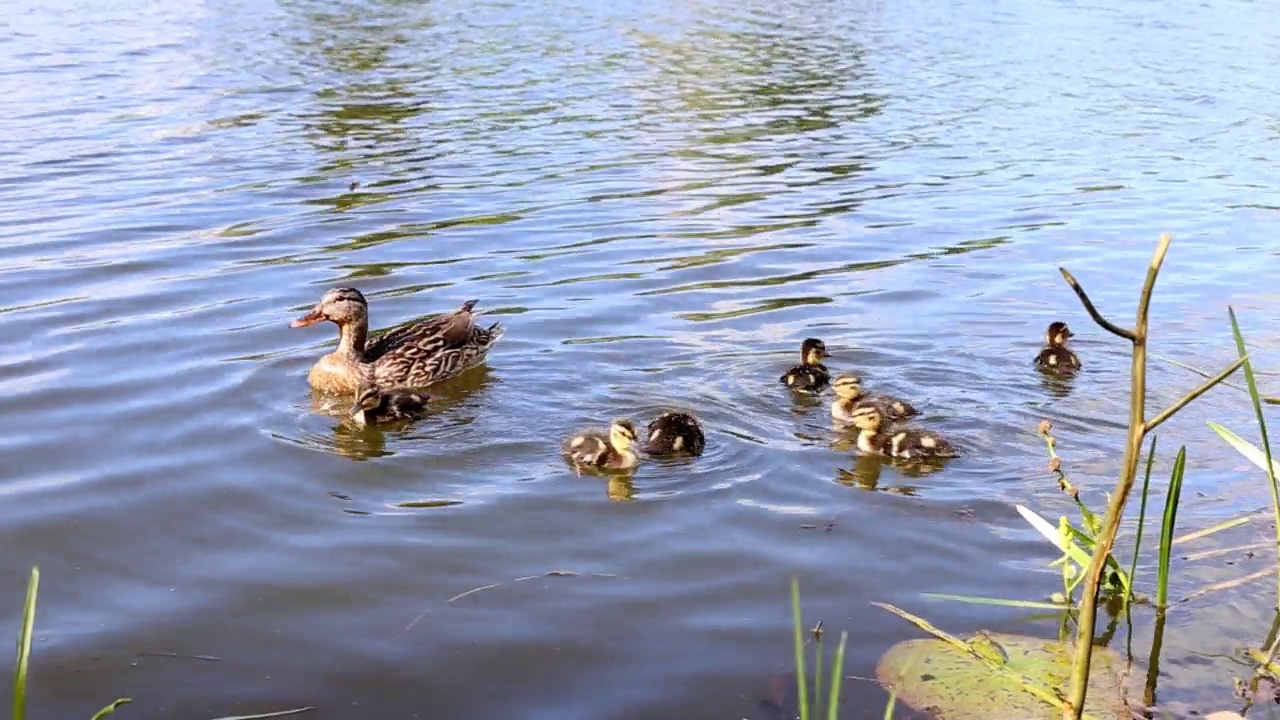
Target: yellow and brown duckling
pixel 810 375
pixel 903 443
pixel 675 432
pixel 415 355
pixel 850 397
pixel 1055 356
pixel 374 405
pixel 606 452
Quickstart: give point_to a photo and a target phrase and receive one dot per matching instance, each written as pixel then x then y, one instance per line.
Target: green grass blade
pixel 888 707
pixel 264 716
pixel 1270 465
pixel 111 708
pixel 837 677
pixel 24 647
pixel 1142 519
pixel 817 675
pixel 1167 526
pixel 1205 532
pixel 799 637
pixel 975 600
pixel 1245 448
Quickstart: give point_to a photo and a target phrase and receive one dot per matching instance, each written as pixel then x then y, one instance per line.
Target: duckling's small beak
pixel 1066 332
pixel 310 318
pixel 357 416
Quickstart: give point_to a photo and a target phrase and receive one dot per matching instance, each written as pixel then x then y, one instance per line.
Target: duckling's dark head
pixel 622 433
pixel 1057 334
pixel 340 305
pixel 368 397
pixel 813 350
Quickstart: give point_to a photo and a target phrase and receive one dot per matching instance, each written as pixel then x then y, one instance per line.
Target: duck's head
pixel 867 418
pixel 368 397
pixel 340 305
pixel 1057 334
pixel 847 386
pixel 621 434
pixel 813 350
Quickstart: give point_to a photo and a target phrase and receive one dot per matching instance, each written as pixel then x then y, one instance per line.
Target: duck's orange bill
pixel 310 318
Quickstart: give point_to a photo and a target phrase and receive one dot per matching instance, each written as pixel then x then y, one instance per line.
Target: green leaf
pixel 1051 533
pixel 954 685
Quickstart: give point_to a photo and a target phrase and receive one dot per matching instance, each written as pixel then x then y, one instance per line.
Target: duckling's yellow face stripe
pixel 847 387
pixel 867 418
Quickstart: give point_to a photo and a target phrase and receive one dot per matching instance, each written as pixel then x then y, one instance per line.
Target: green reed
pixel 837 665
pixel 1270 467
pixel 1166 528
pixel 24 647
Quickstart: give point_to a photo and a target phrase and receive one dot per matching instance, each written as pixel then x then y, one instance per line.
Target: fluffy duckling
pixel 612 452
pixel 900 443
pixel 849 397
pixel 810 375
pixel 1055 356
pixel 675 432
pixel 374 405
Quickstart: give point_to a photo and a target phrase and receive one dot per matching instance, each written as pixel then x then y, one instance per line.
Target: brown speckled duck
pixel 1055 357
pixel 849 397
pixel 906 444
pixel 595 450
pixel 672 433
pixel 810 375
pixel 374 405
pixel 414 355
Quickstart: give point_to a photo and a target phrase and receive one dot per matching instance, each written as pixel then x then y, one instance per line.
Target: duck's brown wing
pixel 451 329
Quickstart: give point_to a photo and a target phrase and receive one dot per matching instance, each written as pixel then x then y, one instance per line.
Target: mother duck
pixel 414 355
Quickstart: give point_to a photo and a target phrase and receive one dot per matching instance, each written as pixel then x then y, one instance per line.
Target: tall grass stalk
pixel 1262 428
pixel 24 647
pixel 1167 526
pixel 799 642
pixel 837 665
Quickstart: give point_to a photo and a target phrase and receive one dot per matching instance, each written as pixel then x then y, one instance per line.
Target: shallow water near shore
pixel 659 202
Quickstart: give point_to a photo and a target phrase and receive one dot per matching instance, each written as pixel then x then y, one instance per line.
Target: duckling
pixel 907 444
pixel 849 397
pixel 674 432
pixel 1055 356
pixel 374 405
pixel 810 375
pixel 594 449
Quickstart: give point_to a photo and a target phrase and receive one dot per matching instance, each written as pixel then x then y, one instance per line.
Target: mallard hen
pixel 415 355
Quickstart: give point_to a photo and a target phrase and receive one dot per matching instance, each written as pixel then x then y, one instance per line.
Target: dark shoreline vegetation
pixel 988 674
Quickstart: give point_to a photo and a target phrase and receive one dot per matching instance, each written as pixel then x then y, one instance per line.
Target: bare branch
pixel 1093 311
pixel 1204 388
pixel 1149 286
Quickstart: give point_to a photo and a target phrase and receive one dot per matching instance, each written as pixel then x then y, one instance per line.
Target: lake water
pixel 659 201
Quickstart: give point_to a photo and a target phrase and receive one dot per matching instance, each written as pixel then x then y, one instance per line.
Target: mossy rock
pixel 936 677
